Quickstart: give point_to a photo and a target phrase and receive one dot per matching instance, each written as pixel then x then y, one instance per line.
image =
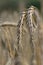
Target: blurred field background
pixel 12 8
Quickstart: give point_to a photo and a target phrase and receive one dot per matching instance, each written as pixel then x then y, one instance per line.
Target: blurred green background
pixel 15 4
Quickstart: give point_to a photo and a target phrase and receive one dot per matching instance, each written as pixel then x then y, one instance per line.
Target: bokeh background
pixel 19 4
pixel 14 7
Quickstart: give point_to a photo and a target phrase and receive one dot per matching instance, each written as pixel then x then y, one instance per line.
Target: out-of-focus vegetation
pixel 14 4
pixel 35 3
pixel 8 4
